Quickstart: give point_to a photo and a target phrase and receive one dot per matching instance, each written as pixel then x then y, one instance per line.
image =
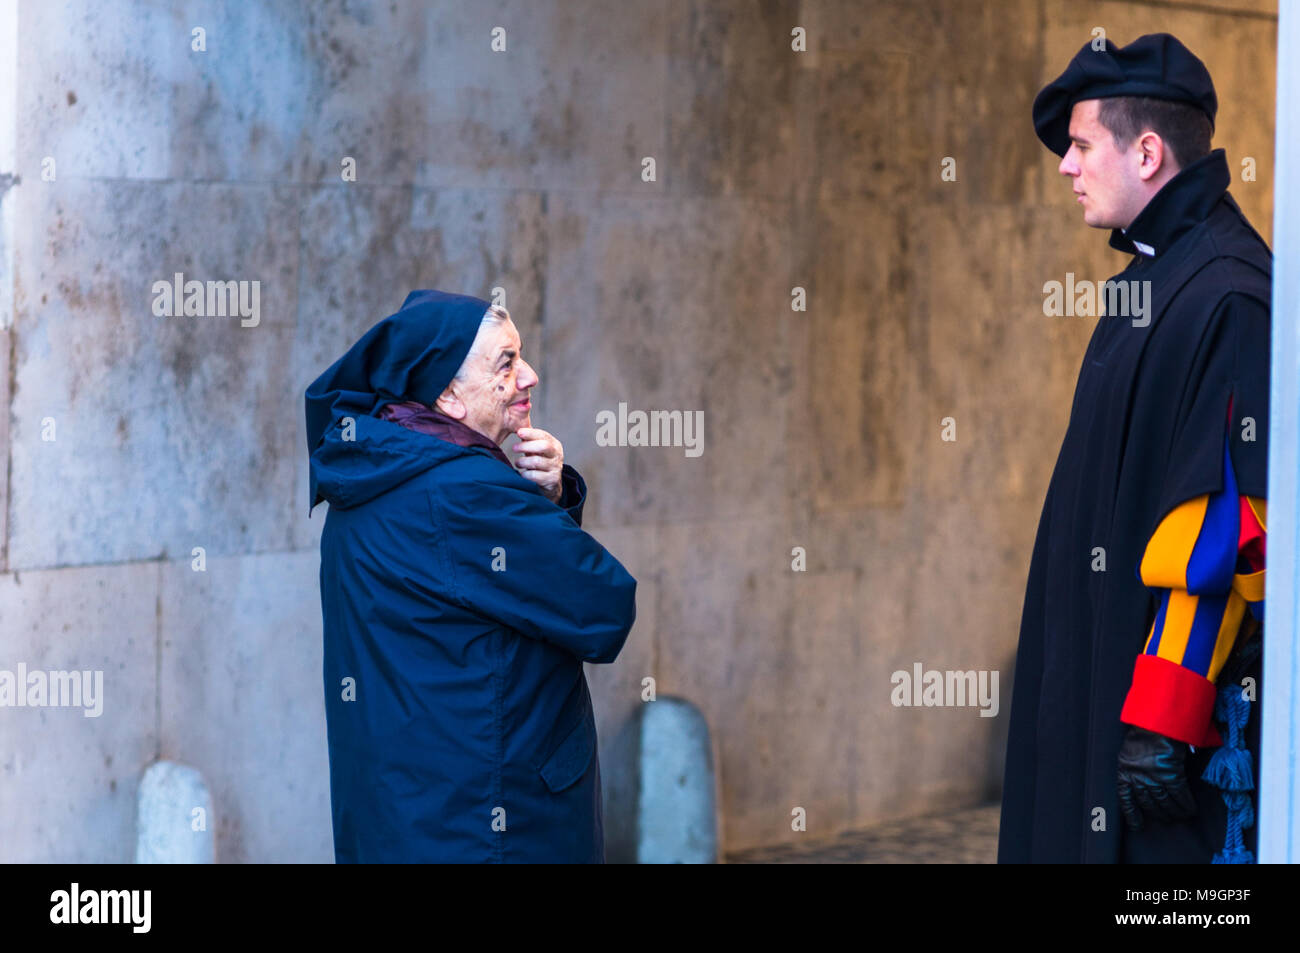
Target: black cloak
pixel 1146 432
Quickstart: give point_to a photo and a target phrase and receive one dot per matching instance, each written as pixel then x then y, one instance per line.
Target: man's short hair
pixel 1184 128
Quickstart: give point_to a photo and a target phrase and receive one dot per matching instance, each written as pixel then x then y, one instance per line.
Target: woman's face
pixel 493 398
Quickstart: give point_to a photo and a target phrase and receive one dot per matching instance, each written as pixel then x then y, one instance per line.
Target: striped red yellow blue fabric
pixel 1206 559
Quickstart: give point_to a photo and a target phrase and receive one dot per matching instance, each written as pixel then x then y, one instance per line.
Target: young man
pixel 1146 585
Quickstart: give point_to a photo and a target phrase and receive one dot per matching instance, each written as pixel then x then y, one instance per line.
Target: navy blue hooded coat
pixel 459 604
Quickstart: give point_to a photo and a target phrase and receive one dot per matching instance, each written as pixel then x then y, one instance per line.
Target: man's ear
pixel 451 405
pixel 1154 156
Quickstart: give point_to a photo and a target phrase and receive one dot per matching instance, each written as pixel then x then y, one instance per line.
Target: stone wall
pixel 523 170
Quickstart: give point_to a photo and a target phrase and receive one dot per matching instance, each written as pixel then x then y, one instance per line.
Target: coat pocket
pixel 569 761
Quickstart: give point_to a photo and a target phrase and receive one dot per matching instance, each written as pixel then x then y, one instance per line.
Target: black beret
pixel 1156 65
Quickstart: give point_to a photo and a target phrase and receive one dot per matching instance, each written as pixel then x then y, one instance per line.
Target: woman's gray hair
pixel 495 315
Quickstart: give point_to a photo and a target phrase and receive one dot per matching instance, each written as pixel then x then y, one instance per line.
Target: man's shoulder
pixel 1234 239
pixel 1226 260
pixel 1237 279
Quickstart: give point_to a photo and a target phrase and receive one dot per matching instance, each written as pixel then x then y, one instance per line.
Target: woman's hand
pixel 541 459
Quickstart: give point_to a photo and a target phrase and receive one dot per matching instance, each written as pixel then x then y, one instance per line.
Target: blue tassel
pixel 1230 771
pixel 1245 810
pixel 1236 856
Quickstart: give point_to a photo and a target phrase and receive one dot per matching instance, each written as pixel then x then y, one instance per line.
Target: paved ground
pixel 962 837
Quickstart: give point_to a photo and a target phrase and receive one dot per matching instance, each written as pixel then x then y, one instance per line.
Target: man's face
pixel 1106 179
pixel 495 392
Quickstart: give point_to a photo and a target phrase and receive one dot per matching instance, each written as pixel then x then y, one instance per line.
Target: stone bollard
pixel 173 816
pixel 677 805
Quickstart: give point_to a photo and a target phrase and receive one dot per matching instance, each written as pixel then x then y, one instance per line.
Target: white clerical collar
pixel 1142 247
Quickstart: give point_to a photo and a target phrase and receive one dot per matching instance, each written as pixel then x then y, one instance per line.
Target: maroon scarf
pixel 418 417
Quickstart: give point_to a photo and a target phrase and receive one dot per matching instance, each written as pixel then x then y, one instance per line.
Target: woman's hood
pixel 410 355
pixel 359 461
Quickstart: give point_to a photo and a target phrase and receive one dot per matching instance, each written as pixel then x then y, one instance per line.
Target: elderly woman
pixel 460 598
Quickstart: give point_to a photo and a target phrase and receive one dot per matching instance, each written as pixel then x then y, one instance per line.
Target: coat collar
pixel 416 416
pixel 1185 201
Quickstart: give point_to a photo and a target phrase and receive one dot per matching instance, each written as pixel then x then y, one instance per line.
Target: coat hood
pixel 357 462
pixel 410 355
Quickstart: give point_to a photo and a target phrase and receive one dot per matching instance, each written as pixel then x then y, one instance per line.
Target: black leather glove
pixel 1152 780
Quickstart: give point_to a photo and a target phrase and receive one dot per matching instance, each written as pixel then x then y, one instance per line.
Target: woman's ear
pixel 451 405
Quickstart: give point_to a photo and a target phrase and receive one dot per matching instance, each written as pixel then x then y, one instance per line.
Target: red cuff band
pixel 1172 701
